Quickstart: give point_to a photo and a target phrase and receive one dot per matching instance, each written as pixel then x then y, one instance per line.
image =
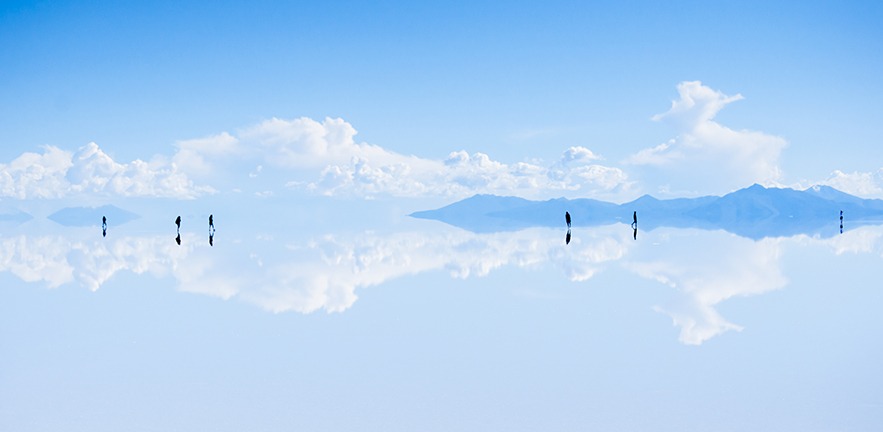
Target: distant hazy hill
pixel 14 216
pixel 753 212
pixel 91 216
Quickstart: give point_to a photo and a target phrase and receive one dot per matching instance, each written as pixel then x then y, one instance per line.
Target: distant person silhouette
pixel 567 218
pixel 178 222
pixel 841 221
pixel 211 230
pixel 635 224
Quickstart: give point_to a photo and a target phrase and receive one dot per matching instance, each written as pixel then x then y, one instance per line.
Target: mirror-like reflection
pixel 755 212
pixel 683 312
pixel 325 272
pixel 211 230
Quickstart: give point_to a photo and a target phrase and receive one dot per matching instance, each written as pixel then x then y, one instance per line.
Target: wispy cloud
pixel 866 184
pixel 705 156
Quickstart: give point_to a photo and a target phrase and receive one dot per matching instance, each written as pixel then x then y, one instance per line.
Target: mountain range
pixel 91 216
pixel 754 212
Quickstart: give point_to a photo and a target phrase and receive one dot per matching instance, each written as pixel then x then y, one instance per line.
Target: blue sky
pixel 311 130
pixel 522 84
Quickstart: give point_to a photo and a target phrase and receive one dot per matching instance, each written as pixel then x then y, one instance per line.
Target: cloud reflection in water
pixel 704 268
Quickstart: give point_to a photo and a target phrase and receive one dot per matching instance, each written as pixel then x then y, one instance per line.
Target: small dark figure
pixel 567 238
pixel 178 223
pixel 103 226
pixel 211 230
pixel 841 221
pixel 178 239
pixel 635 225
pixel 567 218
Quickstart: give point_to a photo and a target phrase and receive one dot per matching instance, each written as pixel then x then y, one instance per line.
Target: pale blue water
pixel 384 322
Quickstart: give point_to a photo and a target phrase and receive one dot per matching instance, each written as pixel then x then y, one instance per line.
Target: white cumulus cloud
pixel 57 173
pixel 462 174
pixel 325 158
pixel 707 157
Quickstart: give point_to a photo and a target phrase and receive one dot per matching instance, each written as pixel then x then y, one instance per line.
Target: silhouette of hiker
pixel 635 224
pixel 567 218
pixel 103 226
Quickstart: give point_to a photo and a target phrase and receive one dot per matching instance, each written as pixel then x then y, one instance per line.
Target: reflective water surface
pixel 393 323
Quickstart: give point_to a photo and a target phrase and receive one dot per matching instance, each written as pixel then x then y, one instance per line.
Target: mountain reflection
pixel 701 269
pixel 755 212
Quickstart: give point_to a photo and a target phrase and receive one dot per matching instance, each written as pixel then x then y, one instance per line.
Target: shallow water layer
pixel 352 322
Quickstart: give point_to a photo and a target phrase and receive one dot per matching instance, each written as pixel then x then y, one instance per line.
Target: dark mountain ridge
pixel 754 212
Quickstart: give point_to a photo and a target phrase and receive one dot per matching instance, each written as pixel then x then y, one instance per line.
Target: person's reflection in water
pixel 841 221
pixel 103 226
pixel 211 230
pixel 567 219
pixel 567 237
pixel 178 224
pixel 635 224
